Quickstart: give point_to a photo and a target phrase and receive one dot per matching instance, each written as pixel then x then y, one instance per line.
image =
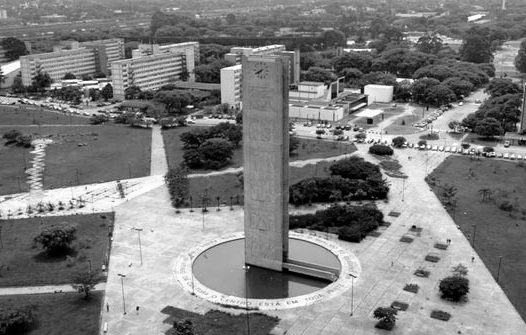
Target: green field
pixel 25 264
pixel 108 152
pixel 30 115
pixel 308 149
pixel 497 232
pixel 59 313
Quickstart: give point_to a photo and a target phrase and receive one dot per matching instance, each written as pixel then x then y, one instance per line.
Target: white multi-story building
pixel 231 85
pixel 114 48
pixel 80 62
pixel 148 72
pixel 86 58
pixel 190 51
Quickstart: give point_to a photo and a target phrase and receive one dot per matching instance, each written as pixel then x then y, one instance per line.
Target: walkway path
pixel 159 165
pixel 45 289
pixel 35 173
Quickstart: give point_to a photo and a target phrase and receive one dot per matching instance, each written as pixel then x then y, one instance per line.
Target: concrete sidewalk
pixel 45 289
pixel 158 163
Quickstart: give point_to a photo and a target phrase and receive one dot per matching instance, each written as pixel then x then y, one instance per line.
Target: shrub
pixel 399 141
pixel 401 306
pixel 99 119
pixel 18 321
pixel 506 206
pixel 178 185
pixel 488 149
pixel 360 136
pixel 460 270
pixel 24 141
pixel 422 142
pixel 440 315
pixel 320 131
pixel 381 150
pixel 432 258
pixel 431 137
pixel 12 135
pixel 411 288
pixel 355 168
pixel 352 223
pixel 387 317
pixel 465 145
pixel 454 288
pixel 56 240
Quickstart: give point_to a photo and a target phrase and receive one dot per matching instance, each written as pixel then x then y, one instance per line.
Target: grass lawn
pixel 12 176
pixel 218 323
pixel 59 313
pixel 22 115
pixel 474 139
pixel 227 185
pixel 26 264
pixel 308 149
pixel 498 233
pixel 111 152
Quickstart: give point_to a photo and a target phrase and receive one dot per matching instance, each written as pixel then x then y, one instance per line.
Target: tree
pixel 334 38
pixel 211 72
pixel 18 86
pixel 178 185
pixel 69 75
pixel 439 72
pixel 174 101
pixel 386 317
pixel 520 59
pixel 16 321
pixel 56 240
pixel 454 288
pixel 230 19
pixel 131 92
pixel 355 168
pixel 379 78
pixel 502 86
pixel 475 48
pixel 459 86
pixel 107 92
pixel 357 60
pixel 440 95
pixel 215 153
pixel 319 74
pixel 14 48
pixel 429 44
pixel 12 135
pixel 453 125
pixel 488 127
pixel 352 76
pixel 84 282
pixel 41 81
pixel 399 141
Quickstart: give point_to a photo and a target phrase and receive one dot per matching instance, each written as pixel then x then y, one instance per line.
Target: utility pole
pixel 138 230
pixel 352 293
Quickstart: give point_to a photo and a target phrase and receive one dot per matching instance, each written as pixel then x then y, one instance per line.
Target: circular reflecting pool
pixel 222 269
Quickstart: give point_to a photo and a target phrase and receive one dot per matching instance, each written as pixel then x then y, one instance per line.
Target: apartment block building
pixel 80 62
pixel 147 72
pixel 114 48
pixel 231 85
pixel 190 51
pixel 236 53
pixel 86 58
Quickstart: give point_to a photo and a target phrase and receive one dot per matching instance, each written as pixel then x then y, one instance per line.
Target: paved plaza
pixel 387 266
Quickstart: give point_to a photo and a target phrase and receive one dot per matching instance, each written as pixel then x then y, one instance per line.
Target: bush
pixel 421 272
pixel 387 317
pixel 454 288
pixel 17 321
pixel 488 149
pixel 178 185
pixel 352 223
pixel 506 206
pixel 12 135
pixel 99 119
pixel 431 137
pixel 399 141
pixel 355 168
pixel 56 240
pixel 422 142
pixel 465 145
pixel 381 150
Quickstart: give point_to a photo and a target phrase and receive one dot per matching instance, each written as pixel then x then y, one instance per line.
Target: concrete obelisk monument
pixel 266 160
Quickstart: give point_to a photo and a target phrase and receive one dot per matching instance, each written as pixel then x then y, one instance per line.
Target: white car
pixel 519 157
pixel 447 149
pixel 506 155
pixel 441 148
pixel 428 147
pixel 512 156
pixel 453 149
pixel 492 154
pixel 435 148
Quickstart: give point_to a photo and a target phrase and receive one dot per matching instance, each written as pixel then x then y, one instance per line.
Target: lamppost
pixel 122 286
pixel 191 273
pixel 191 207
pixel 138 230
pixel 403 189
pixel 498 270
pixel 352 292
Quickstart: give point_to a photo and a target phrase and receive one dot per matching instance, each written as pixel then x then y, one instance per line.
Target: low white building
pixel 10 71
pixel 308 90
pixel 231 85
pixel 378 93
pixel 313 112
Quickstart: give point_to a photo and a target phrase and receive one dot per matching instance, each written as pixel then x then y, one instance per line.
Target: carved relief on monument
pixel 261 99
pixel 259 217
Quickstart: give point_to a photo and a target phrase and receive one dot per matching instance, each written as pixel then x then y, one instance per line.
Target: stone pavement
pixel 387 266
pixel 158 164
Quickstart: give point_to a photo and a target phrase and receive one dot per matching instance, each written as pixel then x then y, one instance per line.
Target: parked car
pixel 428 147
pixel 435 148
pixel 512 156
pixel 492 154
pixel 453 149
pixel 422 147
pixel 506 155
pixel 506 144
pixel 447 149
pixel 441 148
pixel 519 157
pixel 499 155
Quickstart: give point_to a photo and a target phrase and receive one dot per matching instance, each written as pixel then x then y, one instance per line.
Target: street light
pixel 352 292
pixel 403 189
pixel 138 230
pixel 122 285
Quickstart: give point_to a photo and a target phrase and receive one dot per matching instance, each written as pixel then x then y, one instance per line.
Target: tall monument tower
pixel 266 160
pixel 522 127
